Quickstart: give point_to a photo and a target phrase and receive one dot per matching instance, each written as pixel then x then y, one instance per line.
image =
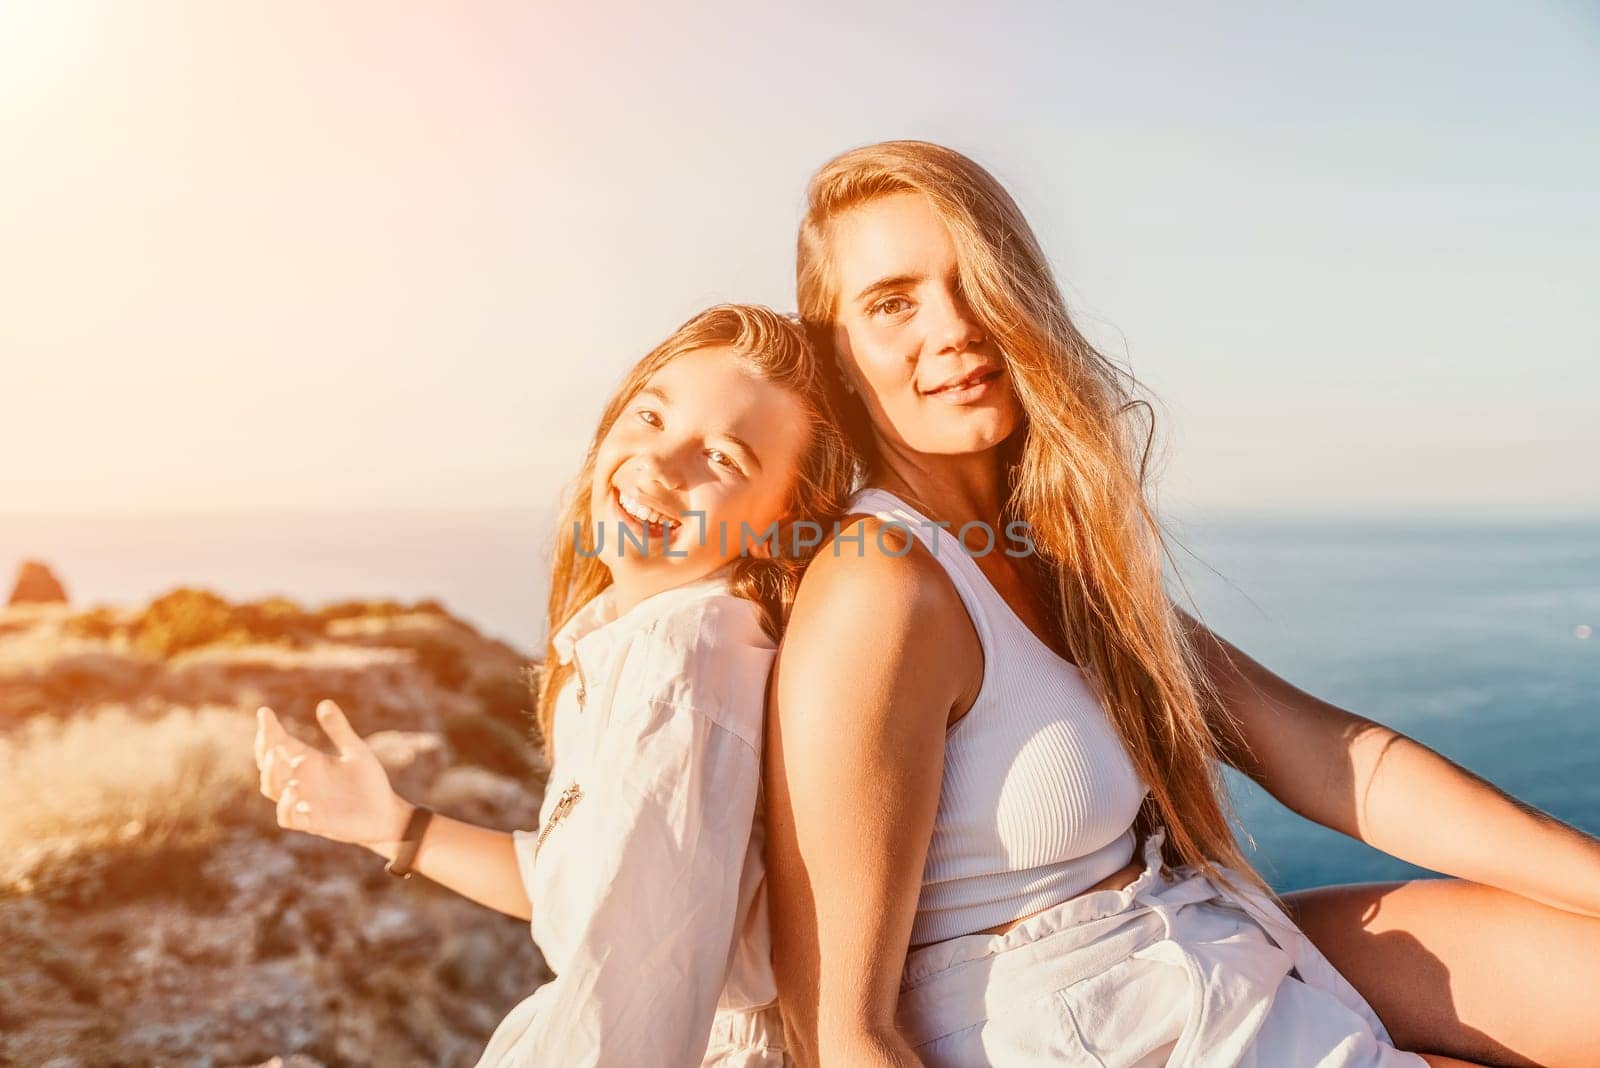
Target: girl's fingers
pixel 294 811
pixel 272 775
pixel 270 735
pixel 338 728
pixel 277 767
pixel 286 801
pixel 272 731
pixel 279 755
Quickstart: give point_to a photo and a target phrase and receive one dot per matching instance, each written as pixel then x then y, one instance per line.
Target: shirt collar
pixel 598 623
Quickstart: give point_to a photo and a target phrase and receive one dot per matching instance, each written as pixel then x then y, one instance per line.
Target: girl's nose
pixel 665 471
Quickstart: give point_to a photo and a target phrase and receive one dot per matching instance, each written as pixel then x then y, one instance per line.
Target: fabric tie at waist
pixel 1234 953
pixel 1059 946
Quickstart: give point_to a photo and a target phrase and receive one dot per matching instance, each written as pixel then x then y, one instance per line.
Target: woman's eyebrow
pixel 657 392
pixel 894 281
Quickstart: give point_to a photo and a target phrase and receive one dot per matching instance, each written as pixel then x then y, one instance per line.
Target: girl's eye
pixel 650 418
pixel 722 459
pixel 891 306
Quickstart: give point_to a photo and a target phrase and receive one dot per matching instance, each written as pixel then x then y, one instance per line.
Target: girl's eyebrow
pixel 745 447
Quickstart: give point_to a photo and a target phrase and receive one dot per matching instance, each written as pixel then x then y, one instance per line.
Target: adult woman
pixel 960 744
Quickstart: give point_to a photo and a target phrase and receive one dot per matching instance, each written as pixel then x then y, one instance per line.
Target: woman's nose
pixel 956 328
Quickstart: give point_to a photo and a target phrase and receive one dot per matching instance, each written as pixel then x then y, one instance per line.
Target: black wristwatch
pixel 410 841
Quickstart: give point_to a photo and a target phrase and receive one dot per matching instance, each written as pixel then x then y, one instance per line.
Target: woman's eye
pixel 722 459
pixel 891 306
pixel 650 418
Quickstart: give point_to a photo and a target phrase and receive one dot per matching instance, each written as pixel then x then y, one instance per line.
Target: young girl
pixel 644 883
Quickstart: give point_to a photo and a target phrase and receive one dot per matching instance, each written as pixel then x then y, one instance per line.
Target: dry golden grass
pixel 108 781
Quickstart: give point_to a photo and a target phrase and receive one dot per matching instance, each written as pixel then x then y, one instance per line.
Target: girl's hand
pixel 346 798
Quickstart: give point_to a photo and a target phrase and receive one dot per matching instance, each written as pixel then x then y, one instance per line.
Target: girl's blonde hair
pixel 774 349
pixel 1075 471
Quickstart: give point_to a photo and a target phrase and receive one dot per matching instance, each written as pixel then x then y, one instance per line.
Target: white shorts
pixel 1169 970
pixel 751 1039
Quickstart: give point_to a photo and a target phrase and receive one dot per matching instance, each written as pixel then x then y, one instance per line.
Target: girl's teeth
pixel 642 513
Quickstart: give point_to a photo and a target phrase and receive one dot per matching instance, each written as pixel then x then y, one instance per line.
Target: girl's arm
pixel 476 862
pixel 653 854
pixel 348 798
pixel 1375 784
pixel 867 675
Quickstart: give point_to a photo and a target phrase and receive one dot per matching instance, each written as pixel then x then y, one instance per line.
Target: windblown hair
pixel 774 349
pixel 1075 471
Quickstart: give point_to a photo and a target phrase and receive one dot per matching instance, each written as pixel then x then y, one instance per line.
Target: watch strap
pixel 410 842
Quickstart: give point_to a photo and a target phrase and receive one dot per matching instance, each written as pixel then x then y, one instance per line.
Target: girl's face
pixel 703 436
pixel 909 344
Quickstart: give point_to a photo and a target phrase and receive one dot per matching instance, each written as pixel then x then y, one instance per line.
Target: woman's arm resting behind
pixel 1375 784
pixel 865 680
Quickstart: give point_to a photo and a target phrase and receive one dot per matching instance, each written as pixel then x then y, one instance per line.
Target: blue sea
pixel 1473 639
pixel 1463 636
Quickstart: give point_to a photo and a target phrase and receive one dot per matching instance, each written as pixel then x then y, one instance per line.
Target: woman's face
pixel 909 344
pixel 704 452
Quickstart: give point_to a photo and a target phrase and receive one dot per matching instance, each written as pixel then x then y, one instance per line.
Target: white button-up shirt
pixel 646 876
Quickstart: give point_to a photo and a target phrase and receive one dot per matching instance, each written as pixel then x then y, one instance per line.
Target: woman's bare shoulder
pixel 879 609
pixel 874 649
pixel 869 560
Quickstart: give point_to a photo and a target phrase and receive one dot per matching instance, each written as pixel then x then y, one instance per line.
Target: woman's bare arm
pixel 868 672
pixel 1375 784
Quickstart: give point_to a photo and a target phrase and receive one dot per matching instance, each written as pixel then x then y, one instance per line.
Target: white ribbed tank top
pixel 1038 796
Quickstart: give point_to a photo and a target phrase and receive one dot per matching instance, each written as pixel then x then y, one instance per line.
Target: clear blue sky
pixel 267 256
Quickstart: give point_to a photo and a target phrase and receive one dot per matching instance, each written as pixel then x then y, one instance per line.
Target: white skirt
pixel 1169 970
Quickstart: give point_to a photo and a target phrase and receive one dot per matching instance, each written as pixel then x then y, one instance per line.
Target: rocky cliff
pixel 151 912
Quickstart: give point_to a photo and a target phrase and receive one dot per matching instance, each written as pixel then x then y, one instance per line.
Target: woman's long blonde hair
pixel 774 349
pixel 1076 472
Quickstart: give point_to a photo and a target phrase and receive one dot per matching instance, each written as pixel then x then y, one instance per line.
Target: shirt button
pixel 580 696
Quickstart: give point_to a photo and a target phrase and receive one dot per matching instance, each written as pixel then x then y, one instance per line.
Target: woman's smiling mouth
pixel 973 387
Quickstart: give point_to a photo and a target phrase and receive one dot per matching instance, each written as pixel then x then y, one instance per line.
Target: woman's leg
pixel 1465 970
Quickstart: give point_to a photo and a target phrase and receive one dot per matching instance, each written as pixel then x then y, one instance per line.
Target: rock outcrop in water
pixel 151 911
pixel 36 584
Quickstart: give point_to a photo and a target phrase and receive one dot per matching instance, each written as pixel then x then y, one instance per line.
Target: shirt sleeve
pixel 663 849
